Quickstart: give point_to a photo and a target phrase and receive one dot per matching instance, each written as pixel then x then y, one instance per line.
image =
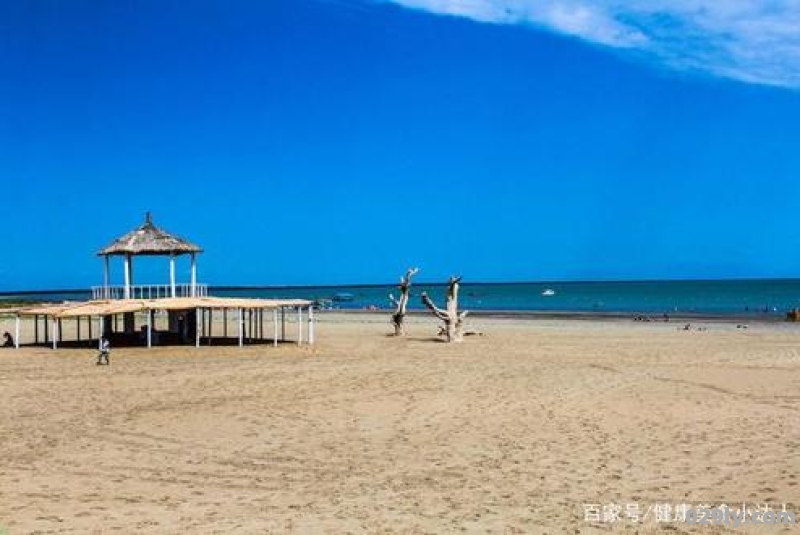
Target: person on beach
pixel 8 340
pixel 105 352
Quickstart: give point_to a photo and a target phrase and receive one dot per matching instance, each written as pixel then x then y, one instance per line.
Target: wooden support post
pixel 197 327
pixel 149 328
pixel 207 326
pixel 275 327
pixel 224 322
pixel 60 331
pixel 56 334
pixel 240 322
pixel 36 329
pixel 210 329
pixel 100 332
pixel 46 322
pixel 89 327
pixel 283 324
pixel 16 333
pixel 78 327
pixel 299 325
pixel 311 325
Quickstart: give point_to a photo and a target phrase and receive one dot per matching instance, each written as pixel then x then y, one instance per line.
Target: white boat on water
pixel 548 293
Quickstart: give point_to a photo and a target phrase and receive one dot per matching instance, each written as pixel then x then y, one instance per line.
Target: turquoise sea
pixel 730 297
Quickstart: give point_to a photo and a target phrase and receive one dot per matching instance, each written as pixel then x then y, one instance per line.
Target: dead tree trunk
pixel 452 318
pixel 400 312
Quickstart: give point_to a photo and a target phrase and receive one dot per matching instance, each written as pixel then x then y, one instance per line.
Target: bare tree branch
pixel 402 303
pixel 452 318
pixel 441 314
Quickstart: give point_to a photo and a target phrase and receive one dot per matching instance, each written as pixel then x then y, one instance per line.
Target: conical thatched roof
pixel 148 239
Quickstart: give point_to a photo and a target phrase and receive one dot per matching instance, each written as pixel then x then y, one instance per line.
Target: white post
pixel 16 333
pixel 194 275
pixel 106 278
pixel 210 332
pixel 149 328
pixel 99 331
pixel 127 292
pixel 311 325
pixel 299 325
pixel 275 327
pixel 54 323
pixel 239 321
pixel 172 274
pixel 197 327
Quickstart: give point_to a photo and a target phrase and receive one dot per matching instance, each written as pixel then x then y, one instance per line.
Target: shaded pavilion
pixel 252 320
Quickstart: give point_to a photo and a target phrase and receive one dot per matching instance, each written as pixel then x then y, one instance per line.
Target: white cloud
pixel 756 41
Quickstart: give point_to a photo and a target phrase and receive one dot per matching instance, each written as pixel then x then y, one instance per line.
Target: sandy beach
pixel 515 431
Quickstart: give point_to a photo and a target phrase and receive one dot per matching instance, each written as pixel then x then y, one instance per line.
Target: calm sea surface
pixel 741 297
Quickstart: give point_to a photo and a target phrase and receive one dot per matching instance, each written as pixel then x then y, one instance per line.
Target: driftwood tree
pixel 402 303
pixel 452 318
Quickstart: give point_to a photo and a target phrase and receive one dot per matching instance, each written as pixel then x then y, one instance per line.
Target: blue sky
pixel 326 142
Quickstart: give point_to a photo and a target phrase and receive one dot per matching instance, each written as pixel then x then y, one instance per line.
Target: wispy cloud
pixel 755 41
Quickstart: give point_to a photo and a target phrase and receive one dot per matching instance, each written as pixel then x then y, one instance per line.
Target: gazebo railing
pixel 149 291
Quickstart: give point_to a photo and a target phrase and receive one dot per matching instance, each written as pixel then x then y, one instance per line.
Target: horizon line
pixel 5 293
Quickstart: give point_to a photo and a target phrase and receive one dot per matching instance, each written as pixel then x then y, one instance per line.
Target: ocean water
pixel 739 297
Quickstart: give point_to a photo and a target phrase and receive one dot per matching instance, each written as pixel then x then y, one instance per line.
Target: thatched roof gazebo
pixel 148 240
pixel 164 314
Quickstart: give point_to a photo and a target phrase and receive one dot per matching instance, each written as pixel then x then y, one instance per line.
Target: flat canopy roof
pixel 121 306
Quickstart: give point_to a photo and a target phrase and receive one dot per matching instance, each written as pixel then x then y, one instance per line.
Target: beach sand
pixel 515 431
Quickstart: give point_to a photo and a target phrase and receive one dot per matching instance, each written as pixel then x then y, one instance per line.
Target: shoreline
pixel 584 316
pixel 639 316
